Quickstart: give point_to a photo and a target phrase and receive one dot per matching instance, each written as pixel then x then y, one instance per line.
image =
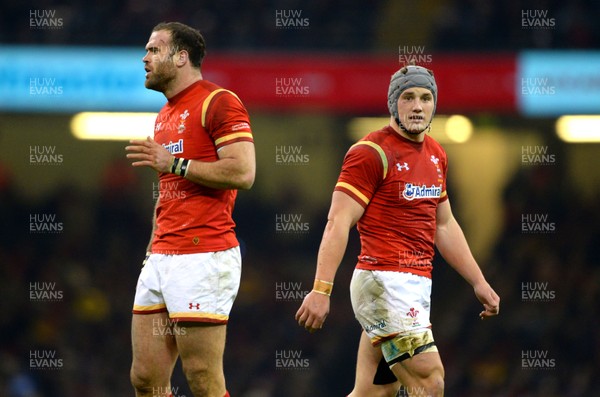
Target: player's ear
pixel 182 58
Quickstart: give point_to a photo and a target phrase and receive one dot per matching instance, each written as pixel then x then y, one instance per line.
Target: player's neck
pixel 182 82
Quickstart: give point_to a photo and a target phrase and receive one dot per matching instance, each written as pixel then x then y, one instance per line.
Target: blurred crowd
pixel 337 25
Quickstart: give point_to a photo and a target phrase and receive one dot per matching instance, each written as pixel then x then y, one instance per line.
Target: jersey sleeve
pixel 227 120
pixel 362 173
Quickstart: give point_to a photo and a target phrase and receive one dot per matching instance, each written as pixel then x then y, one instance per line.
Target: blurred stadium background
pixel 76 217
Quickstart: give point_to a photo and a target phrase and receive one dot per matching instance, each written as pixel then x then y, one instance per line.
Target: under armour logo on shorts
pixel 194 306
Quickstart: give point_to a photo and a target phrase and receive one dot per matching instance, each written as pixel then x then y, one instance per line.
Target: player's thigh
pixel 201 345
pixel 154 346
pixel 367 360
pixel 199 292
pixel 413 371
pixel 367 365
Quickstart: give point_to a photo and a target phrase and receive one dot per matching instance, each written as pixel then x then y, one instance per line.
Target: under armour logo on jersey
pixel 402 166
pixel 194 306
pixel 434 159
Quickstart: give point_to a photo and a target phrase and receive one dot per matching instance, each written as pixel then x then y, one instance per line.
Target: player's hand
pixel 489 299
pixel 150 154
pixel 313 311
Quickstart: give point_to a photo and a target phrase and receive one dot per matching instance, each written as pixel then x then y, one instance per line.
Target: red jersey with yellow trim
pixel 399 183
pixel 195 124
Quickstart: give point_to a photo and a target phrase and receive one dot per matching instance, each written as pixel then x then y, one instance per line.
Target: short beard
pixel 160 79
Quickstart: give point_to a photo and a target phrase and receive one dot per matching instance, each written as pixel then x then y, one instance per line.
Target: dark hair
pixel 184 37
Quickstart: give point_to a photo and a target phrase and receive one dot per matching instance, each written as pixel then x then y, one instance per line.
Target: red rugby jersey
pixel 194 124
pixel 399 183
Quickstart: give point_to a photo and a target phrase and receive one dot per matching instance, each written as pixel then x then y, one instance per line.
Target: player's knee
pixel 432 385
pixel 141 379
pixel 436 386
pixel 202 378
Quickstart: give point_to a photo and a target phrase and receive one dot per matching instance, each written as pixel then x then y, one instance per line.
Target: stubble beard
pixel 413 131
pixel 161 78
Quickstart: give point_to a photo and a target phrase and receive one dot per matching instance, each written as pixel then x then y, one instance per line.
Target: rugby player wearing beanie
pixel 393 187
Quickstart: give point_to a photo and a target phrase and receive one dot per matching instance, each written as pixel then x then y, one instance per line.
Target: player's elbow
pixel 245 180
pixel 338 226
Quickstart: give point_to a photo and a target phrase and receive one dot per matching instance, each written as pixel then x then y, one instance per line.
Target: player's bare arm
pixel 452 244
pixel 343 215
pixel 235 168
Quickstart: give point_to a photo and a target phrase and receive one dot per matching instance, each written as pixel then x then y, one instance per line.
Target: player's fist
pixel 313 311
pixel 489 299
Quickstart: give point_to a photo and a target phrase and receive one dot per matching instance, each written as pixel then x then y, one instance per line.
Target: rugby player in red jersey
pixel 203 152
pixel 393 187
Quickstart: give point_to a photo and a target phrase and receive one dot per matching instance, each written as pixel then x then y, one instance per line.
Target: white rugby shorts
pixel 389 304
pixel 191 287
